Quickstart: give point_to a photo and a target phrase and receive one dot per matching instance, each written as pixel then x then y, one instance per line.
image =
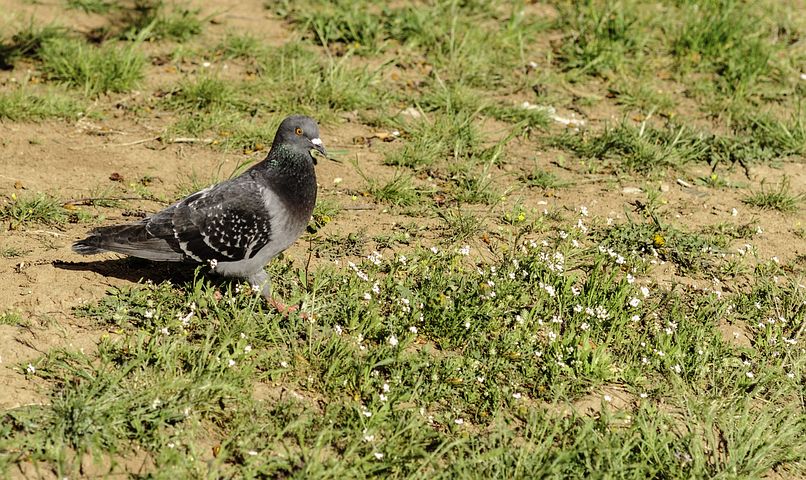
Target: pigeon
pixel 236 226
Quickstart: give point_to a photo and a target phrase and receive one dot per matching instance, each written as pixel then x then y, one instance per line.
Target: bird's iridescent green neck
pixel 284 159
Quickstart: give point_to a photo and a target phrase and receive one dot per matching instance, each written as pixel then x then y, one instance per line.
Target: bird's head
pixel 300 132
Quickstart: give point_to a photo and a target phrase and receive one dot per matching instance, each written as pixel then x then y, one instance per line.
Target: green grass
pixel 90 6
pixel 160 20
pixel 95 70
pixel 12 318
pixel 32 209
pixel 24 104
pixel 28 41
pixel 426 365
pixel 779 198
pixel 399 191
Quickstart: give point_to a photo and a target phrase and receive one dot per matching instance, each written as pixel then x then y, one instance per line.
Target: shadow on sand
pixel 138 270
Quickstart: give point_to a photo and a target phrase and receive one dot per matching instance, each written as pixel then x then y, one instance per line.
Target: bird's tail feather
pixel 132 240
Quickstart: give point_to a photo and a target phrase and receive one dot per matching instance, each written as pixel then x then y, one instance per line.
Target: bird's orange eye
pixel 298 131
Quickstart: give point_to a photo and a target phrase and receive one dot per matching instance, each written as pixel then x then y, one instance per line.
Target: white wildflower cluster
pixel 465 250
pixel 612 254
pixel 581 226
pixel 554 262
pixel 358 272
pixel 549 289
pixel 375 258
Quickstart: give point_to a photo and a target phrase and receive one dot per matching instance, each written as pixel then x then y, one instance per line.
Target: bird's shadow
pixel 137 270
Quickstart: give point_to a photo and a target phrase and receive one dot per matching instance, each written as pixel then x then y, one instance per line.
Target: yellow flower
pixel 658 240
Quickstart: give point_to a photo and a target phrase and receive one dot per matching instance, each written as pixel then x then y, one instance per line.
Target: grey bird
pixel 236 226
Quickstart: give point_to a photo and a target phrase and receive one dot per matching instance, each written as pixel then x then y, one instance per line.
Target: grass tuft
pixel 24 104
pixel 95 70
pixel 779 198
pixel 33 209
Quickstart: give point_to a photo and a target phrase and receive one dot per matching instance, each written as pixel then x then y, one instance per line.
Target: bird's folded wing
pixel 227 222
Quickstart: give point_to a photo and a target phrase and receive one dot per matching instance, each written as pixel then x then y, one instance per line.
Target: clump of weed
pixel 323 213
pixel 779 198
pixel 544 179
pixel 641 149
pixel 26 104
pixel 202 93
pixel 91 6
pixel 96 70
pixel 601 37
pixel 245 46
pixel 707 27
pixel 39 208
pixel 399 191
pixel 153 20
pixel 28 42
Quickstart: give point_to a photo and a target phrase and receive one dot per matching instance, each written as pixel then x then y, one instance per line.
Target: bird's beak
pixel 317 144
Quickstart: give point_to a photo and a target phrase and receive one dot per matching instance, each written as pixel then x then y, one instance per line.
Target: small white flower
pixel 231 362
pixel 645 292
pixel 750 374
pixel 643 395
pixel 378 455
pixel 584 326
pixel 434 250
pixel 480 379
pixel 30 368
pixel 164 331
pixel 393 341
pixel 213 263
pixel 367 296
pixel 252 453
pixel 516 395
pixel 413 329
pixel 733 212
pixel 284 364
pixel 465 250
pixel 677 368
pixel 366 413
pixel 607 398
pixel 149 314
pixel 402 259
pixel 467 325
pixel 635 318
pixel 634 302
pixel 338 329
pixel 368 437
pixel 583 210
pixel 630 279
pixel 375 257
pixel 383 397
pixel 247 349
pixel 458 421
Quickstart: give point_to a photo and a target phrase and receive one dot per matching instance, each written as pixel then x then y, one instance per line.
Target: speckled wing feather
pixel 227 222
